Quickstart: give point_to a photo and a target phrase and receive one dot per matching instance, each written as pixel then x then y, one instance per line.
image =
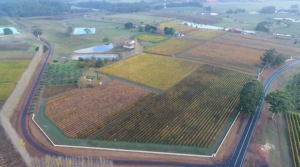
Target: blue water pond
pixel 80 31
pixel 96 49
pixel 14 30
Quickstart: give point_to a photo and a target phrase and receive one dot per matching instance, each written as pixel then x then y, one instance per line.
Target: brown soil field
pixel 57 89
pixel 202 19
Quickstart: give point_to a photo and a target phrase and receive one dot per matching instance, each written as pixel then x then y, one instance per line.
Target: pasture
pixel 99 104
pixel 191 113
pixel 151 70
pixel 14 54
pixel 172 46
pixel 242 58
pixel 10 73
pixel 150 37
pixel 205 34
pixel 4 22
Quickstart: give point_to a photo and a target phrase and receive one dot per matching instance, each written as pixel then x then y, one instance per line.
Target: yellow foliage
pixel 154 71
pixel 172 46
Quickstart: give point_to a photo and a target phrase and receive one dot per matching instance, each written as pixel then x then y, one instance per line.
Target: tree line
pixel 31 8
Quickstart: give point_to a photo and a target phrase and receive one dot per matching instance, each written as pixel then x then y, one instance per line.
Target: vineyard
pixel 150 37
pixel 10 73
pixel 293 122
pixel 191 113
pixel 257 45
pixel 79 113
pixel 172 46
pixel 294 88
pixel 185 29
pixel 228 55
pixel 154 71
pixel 205 34
pixel 57 89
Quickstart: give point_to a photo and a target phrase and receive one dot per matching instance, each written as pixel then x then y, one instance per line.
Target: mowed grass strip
pixel 205 34
pixel 232 56
pixel 151 70
pixel 150 37
pixel 172 47
pixel 10 73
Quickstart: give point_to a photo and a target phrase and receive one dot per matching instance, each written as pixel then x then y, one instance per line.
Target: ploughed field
pixel 151 70
pixel 79 113
pixel 190 113
pixel 293 121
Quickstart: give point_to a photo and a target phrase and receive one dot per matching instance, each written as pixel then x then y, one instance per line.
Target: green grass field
pixel 10 73
pixel 4 22
pixel 150 37
pixel 151 70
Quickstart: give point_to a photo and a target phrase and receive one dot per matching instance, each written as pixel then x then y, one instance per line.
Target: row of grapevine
pixel 79 113
pixel 190 113
pixel 294 88
pixel 293 122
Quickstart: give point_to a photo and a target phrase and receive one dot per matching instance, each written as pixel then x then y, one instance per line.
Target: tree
pixel 37 31
pixel 169 31
pixel 45 48
pixel 100 63
pixel 105 39
pixel 80 64
pixel 147 28
pixel 272 58
pixel 230 11
pixel 81 83
pixel 87 31
pixel 8 31
pixel 128 25
pixel 141 29
pixel 250 97
pixel 107 60
pixel 80 59
pixel 296 42
pixel 280 101
pixel 70 31
pixel 268 10
pixel 95 82
pixel 261 27
pixel 279 59
pixel 208 8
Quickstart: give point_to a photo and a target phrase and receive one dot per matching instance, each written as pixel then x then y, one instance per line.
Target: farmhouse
pixel 129 44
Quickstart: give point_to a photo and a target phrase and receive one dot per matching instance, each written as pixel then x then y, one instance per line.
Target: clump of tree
pixel 70 31
pixel 272 58
pixel 105 39
pixel 158 7
pixel 281 101
pixel 230 11
pixel 239 10
pixel 261 26
pixel 208 8
pixel 81 83
pixel 8 31
pixel 169 31
pixel 150 28
pixel 268 10
pixel 93 62
pixel 37 31
pixel 250 96
pixel 128 25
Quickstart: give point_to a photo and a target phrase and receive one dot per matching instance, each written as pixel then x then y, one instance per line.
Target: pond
pixel 14 30
pixel 80 31
pixel 96 49
pixel 97 57
pixel 203 26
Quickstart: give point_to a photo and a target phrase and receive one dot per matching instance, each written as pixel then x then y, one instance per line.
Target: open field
pixel 227 55
pixel 288 51
pixel 14 54
pixel 172 47
pixel 181 10
pixel 4 22
pixel 98 104
pixel 185 29
pixel 23 47
pixel 169 24
pixel 152 70
pixel 150 37
pixel 10 73
pixel 190 113
pixel 293 120
pixel 205 34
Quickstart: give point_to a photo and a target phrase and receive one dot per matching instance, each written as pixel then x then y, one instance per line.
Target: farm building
pixel 129 44
pixel 235 30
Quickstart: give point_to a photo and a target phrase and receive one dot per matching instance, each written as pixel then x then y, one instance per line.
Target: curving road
pixel 235 161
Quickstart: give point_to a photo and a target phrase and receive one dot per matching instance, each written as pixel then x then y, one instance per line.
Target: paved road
pixel 235 161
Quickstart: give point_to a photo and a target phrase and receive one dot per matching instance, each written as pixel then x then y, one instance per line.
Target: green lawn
pixel 58 137
pixel 4 22
pixel 150 37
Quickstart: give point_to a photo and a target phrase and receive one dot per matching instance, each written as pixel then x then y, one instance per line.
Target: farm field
pixel 4 22
pixel 151 70
pixel 205 34
pixel 168 24
pixel 172 47
pixel 227 55
pixel 99 104
pixel 10 73
pixel 294 89
pixel 190 113
pixel 293 120
pixel 14 54
pixel 185 29
pixel 57 89
pixel 150 37
pixel 288 51
pixel 6 47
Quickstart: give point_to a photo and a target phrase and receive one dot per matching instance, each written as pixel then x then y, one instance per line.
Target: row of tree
pixel 236 11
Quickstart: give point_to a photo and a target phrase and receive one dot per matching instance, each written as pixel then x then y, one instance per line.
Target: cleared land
pixel 293 121
pixel 169 24
pixel 57 89
pixel 14 54
pixel 79 113
pixel 172 46
pixel 10 73
pixel 150 37
pixel 288 51
pixel 185 29
pixel 232 56
pixel 190 113
pixel 205 34
pixel 152 70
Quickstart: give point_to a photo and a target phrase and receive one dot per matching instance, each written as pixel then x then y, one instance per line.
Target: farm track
pixel 241 147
